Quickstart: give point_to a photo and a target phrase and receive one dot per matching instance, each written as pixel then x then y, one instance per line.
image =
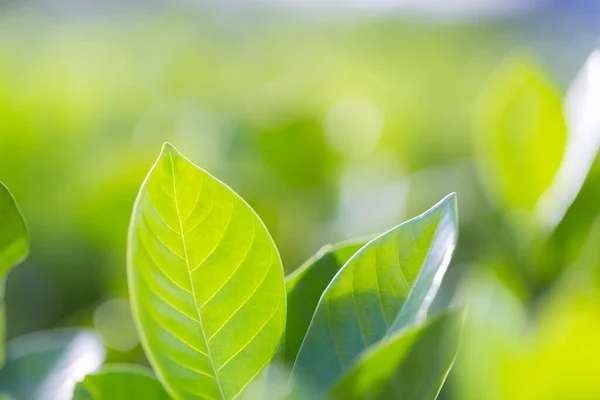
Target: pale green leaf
pixel 410 365
pixel 120 382
pixel 14 246
pixel 520 135
pixel 305 287
pixel 205 280
pixel 371 295
pixel 46 365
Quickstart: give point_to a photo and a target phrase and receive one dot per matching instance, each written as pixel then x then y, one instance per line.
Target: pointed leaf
pixel 365 300
pixel 410 365
pixel 14 246
pixel 520 135
pixel 120 382
pixel 305 287
pixel 46 365
pixel 205 280
pixel 14 243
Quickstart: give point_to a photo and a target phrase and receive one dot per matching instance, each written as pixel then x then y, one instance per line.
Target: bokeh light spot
pixel 113 321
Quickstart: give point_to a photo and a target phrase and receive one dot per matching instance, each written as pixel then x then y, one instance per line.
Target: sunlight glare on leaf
pixel 583 120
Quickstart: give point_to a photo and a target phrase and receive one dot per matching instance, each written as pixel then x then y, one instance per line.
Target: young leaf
pixel 46 365
pixel 363 302
pixel 520 135
pixel 120 382
pixel 205 280
pixel 14 246
pixel 305 287
pixel 411 365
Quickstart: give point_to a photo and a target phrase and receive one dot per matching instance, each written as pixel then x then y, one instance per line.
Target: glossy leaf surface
pixel 206 282
pixel 120 382
pixel 305 287
pixel 410 365
pixel 14 246
pixel 365 300
pixel 46 365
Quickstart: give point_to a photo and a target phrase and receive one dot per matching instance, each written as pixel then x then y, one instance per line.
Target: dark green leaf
pixel 305 287
pixel 409 365
pixel 14 246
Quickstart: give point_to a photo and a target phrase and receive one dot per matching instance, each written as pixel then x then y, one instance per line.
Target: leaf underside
pixel 206 282
pixel 387 286
pixel 412 365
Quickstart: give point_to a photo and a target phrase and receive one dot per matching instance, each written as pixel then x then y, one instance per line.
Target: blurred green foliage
pixel 85 103
pixel 330 130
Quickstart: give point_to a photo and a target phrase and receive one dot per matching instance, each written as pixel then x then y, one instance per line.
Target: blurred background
pixel 333 119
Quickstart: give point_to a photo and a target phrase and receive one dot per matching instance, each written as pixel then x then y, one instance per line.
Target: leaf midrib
pixel 193 294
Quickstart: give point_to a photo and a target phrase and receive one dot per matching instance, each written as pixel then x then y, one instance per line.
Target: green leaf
pixel 120 382
pixel 410 365
pixel 14 243
pixel 305 287
pixel 14 246
pixel 205 280
pixel 371 295
pixel 46 365
pixel 520 135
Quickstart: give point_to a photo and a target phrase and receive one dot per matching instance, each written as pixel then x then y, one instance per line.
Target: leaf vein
pixel 157 265
pixel 335 345
pixel 174 307
pixel 216 246
pixel 164 326
pixel 199 222
pixel 193 208
pixel 252 377
pixel 245 345
pixel 235 269
pixel 356 314
pixel 157 237
pixel 162 219
pixel 189 368
pixel 375 270
pixel 216 375
pixel 258 285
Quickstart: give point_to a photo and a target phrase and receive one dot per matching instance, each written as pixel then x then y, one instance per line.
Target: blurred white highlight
pixel 83 356
pixel 353 126
pixel 114 323
pixel 437 279
pixel 372 198
pixel 582 113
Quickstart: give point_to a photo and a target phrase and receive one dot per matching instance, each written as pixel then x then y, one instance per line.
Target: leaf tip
pixel 450 203
pixel 168 148
pixel 450 199
pixel 170 151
